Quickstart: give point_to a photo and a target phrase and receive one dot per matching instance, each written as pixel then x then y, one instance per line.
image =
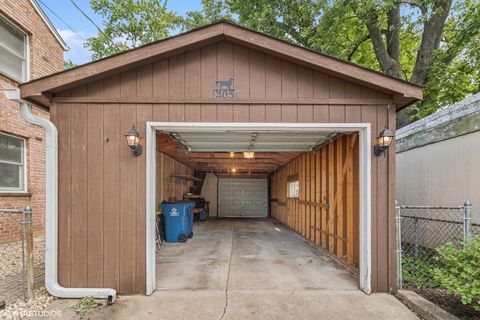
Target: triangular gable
pixel 39 90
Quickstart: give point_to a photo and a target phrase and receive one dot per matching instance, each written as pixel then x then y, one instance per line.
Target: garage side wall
pixel 102 186
pixel 327 209
pixel 167 187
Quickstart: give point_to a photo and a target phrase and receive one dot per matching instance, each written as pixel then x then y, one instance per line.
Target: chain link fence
pixel 17 256
pixel 420 231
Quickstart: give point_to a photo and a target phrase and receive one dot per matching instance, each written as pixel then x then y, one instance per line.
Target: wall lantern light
pixel 133 141
pixel 249 155
pixel 384 140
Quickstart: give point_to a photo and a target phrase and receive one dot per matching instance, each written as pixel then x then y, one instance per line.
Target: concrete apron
pixel 251 269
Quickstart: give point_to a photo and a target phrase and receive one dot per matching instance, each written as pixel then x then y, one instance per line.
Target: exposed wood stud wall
pixel 328 221
pixel 168 188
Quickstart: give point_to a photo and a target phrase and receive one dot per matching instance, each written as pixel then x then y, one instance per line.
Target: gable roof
pixel 49 24
pixel 37 91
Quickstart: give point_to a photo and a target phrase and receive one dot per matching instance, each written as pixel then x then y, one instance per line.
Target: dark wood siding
pixel 269 89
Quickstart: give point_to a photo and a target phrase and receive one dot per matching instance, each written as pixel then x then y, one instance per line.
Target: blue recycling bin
pixel 191 206
pixel 177 221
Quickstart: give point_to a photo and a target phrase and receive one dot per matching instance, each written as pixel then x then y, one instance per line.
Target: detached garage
pixel 272 135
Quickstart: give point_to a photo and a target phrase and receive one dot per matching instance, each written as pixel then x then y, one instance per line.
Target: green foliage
pixel 85 304
pixel 212 10
pixel 419 272
pixel 449 68
pixel 129 24
pixel 460 270
pixel 339 28
pixel 455 72
pixel 68 64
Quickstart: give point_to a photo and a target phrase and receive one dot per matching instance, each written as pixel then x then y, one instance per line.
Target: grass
pixel 85 304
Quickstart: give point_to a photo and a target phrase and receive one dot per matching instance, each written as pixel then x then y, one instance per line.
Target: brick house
pixel 30 48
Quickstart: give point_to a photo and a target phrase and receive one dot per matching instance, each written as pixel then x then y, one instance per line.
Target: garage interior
pixel 264 190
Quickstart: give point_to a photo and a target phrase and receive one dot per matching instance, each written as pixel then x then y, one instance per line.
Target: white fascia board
pixel 49 24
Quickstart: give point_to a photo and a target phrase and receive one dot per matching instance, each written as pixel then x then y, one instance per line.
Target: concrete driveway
pixel 249 269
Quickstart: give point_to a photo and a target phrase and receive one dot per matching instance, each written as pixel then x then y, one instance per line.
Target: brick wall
pixel 45 57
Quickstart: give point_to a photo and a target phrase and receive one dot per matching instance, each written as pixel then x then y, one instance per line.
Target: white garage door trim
pixel 243 198
pixel 363 129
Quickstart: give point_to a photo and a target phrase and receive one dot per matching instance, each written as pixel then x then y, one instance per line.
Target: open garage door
pixel 311 177
pixel 243 198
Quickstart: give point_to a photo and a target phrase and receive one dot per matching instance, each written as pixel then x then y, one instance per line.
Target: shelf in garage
pixel 185 177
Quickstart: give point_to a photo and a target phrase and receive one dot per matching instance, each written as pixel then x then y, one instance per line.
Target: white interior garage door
pixel 243 198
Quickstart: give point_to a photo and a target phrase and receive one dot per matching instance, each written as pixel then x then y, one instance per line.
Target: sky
pixel 79 28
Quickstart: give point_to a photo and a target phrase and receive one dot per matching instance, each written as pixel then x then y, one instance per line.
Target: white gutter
pixel 51 209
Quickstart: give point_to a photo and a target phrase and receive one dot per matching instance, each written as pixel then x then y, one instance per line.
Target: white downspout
pixel 51 209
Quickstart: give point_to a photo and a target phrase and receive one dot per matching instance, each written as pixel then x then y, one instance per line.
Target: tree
pixel 68 64
pixel 129 24
pixel 212 10
pixel 428 42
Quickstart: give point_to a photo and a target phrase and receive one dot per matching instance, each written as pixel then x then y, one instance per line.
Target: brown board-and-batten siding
pixel 103 215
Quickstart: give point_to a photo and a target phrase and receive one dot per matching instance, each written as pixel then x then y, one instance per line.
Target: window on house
pixel 12 164
pixel 13 51
pixel 293 188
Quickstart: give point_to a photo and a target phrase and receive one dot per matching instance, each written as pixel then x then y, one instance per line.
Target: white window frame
pixel 26 72
pixel 24 164
pixel 294 186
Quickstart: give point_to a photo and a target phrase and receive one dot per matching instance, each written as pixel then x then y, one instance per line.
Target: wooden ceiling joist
pixel 222 162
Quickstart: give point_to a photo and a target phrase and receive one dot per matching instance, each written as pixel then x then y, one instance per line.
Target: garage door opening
pixel 311 179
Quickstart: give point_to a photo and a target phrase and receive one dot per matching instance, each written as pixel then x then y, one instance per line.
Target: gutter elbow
pixel 56 290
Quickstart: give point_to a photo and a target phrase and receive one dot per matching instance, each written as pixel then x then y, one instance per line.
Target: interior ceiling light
pixel 232 154
pixel 234 170
pixel 249 155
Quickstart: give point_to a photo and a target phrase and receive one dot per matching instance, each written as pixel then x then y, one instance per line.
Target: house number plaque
pixel 225 89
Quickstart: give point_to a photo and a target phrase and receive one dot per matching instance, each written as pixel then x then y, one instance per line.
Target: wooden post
pixel 339 198
pixel 318 225
pixel 307 195
pixel 312 197
pixel 331 198
pixel 28 251
pixel 324 197
pixel 350 198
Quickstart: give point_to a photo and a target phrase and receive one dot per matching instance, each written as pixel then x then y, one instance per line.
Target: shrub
pixel 419 272
pixel 460 270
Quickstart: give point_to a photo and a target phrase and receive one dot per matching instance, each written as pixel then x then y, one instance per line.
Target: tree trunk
pixel 387 63
pixel 432 31
pixel 393 33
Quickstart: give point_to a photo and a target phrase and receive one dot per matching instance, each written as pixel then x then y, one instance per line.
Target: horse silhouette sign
pixel 224 89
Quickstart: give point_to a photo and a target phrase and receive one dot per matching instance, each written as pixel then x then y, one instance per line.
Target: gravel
pixel 11 256
pixel 32 308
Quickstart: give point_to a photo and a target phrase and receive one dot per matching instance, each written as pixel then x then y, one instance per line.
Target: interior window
pixel 13 51
pixel 293 189
pixel 12 163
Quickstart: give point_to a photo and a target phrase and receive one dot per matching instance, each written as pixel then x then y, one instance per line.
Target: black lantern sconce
pixel 133 141
pixel 384 140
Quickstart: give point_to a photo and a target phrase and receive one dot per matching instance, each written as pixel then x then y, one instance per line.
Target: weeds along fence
pixel 420 231
pixel 24 218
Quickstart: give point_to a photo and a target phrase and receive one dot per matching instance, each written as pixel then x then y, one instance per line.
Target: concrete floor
pixel 249 269
pixel 247 255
